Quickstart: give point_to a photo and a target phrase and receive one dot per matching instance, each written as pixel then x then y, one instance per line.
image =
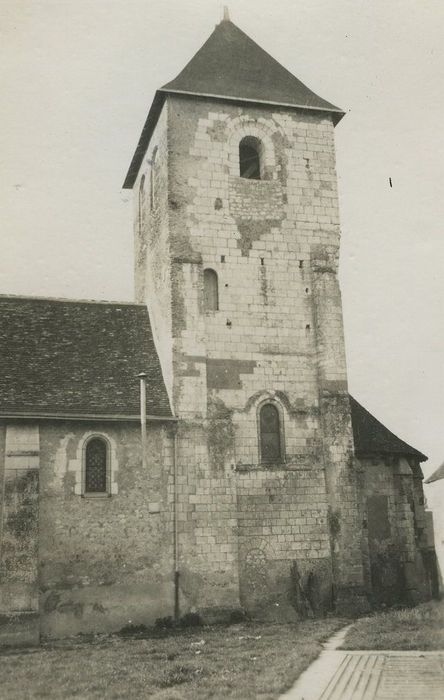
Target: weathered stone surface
pixel 276 336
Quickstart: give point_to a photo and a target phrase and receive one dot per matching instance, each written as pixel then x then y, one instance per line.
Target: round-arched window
pixel 96 468
pixel 250 149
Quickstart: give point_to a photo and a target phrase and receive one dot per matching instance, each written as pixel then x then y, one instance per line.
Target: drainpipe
pixel 142 377
pixel 175 529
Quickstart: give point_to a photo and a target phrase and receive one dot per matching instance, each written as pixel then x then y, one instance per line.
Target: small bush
pixel 130 630
pixel 164 623
pixel 191 620
pixel 237 616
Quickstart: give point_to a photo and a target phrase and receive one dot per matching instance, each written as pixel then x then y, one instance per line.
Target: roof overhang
pixel 113 418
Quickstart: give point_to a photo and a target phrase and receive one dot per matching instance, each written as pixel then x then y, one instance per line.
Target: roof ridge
pixel 64 300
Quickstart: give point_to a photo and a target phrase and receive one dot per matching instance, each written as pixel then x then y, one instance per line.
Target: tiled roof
pixel 232 66
pixel 77 358
pixel 437 475
pixel 371 437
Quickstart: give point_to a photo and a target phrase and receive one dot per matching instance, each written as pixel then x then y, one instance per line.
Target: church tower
pixel 236 255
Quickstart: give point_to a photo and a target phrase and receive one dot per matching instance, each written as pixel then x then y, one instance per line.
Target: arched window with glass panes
pixel 270 434
pixel 96 466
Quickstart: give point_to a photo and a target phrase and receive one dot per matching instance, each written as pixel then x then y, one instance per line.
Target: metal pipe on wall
pixel 175 530
pixel 142 378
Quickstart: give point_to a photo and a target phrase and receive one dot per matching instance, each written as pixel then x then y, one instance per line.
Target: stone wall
pixel 394 518
pixel 105 562
pixel 152 264
pixel 284 549
pixel 19 527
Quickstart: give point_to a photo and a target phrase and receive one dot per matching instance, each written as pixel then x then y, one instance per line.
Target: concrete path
pixel 370 675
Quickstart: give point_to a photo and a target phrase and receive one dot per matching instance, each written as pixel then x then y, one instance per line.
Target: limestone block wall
pixel 284 549
pixel 207 528
pixel 274 246
pixel 19 527
pixel 105 561
pixel 152 263
pixel 267 341
pixel 257 236
pixel 392 515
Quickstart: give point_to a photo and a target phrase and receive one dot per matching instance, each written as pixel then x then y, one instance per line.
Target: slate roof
pixel 232 66
pixel 372 437
pixel 76 358
pixel 437 475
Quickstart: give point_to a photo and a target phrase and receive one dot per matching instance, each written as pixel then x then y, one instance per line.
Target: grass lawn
pixel 240 661
pixel 410 628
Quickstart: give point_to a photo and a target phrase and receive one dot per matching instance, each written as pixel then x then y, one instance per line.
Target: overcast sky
pixel 77 79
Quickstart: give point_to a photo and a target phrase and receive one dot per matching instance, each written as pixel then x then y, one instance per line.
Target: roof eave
pixel 158 103
pixel 232 98
pixel 116 417
pixel 391 453
pixel 144 140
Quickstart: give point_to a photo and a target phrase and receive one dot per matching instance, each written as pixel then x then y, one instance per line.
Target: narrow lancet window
pixel 96 466
pixel 250 158
pixel 211 293
pixel 270 434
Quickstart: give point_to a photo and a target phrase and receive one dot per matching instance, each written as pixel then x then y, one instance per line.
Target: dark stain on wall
pixel 218 131
pixel 220 435
pixel 20 530
pixel 281 142
pixel 311 587
pixel 263 284
pixel 253 230
pixel 226 374
pixel 190 365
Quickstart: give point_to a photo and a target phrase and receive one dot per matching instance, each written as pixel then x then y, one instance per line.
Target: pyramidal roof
pixel 232 66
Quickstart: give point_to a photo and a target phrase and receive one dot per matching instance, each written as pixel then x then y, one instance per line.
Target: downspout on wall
pixel 175 530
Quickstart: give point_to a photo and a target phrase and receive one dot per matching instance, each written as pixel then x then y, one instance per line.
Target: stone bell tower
pixel 236 255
